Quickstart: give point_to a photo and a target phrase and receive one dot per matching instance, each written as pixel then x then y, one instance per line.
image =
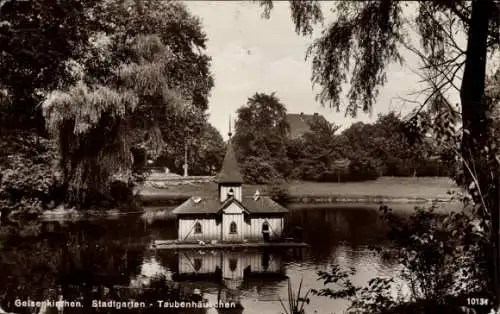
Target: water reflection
pixel 233 272
pixel 109 260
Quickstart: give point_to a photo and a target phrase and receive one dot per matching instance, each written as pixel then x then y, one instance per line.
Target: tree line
pixel 267 153
pixel 359 44
pixel 112 75
pixel 90 90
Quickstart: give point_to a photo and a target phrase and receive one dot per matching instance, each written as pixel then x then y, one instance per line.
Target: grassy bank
pixel 384 189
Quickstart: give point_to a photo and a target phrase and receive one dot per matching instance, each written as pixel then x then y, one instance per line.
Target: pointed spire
pixel 230 171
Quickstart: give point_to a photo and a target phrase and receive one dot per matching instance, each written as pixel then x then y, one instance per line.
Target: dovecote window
pixel 230 192
pixel 233 264
pixel 197 228
pixel 233 228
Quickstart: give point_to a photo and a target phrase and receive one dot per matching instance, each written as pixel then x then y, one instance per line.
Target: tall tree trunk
pixel 476 129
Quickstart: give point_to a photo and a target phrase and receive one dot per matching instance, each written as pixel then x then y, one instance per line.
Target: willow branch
pixel 464 18
pixel 448 34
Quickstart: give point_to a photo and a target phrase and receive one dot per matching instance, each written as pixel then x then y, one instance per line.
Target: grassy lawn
pixel 385 186
pixel 428 188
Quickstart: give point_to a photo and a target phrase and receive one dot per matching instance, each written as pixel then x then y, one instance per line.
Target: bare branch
pixel 428 64
pixel 452 78
pixel 448 33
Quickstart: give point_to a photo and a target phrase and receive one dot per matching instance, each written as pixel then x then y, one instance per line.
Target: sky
pixel 251 54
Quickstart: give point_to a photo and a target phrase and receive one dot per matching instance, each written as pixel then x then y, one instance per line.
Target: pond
pixel 110 259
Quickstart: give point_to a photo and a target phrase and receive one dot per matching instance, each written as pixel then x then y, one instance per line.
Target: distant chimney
pixel 315 113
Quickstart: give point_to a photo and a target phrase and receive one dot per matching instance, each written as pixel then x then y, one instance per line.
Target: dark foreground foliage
pixel 31 182
pixel 28 180
pixel 443 261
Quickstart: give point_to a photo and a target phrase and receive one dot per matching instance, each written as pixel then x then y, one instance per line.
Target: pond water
pixel 111 260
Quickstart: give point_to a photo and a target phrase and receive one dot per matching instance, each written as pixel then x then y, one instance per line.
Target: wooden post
pixel 185 159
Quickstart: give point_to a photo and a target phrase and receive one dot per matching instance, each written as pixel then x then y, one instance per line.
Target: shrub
pixel 279 194
pixel 441 260
pixel 362 169
pixel 433 168
pixel 122 196
pixel 259 171
pixel 312 170
pixel 28 180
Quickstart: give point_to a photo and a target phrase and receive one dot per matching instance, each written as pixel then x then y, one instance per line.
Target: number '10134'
pixel 477 301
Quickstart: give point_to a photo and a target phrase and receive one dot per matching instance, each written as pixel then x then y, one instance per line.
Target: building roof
pixel 299 123
pixel 212 205
pixel 230 171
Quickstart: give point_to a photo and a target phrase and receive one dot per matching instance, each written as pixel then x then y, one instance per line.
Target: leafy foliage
pixel 36 39
pixel 369 39
pixel 442 261
pixel 280 194
pixel 28 181
pixel 366 36
pixel 394 150
pixel 317 151
pixel 119 79
pixel 260 138
pixel 132 98
pixel 259 171
pixel 362 169
pixel 361 152
pixel 205 153
pixel 89 126
pixel 176 29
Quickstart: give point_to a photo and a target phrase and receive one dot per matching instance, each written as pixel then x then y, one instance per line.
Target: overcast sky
pixel 251 54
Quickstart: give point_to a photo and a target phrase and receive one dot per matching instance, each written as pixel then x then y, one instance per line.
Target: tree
pixel 321 134
pixel 205 153
pixel 209 151
pixel 132 99
pixel 177 29
pixel 360 138
pixel 370 34
pixel 28 180
pixel 318 152
pixel 392 148
pixel 36 39
pixel 261 132
pixel 399 154
pixel 190 74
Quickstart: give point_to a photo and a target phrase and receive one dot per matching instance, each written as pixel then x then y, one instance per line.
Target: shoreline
pixel 174 200
pixel 151 197
pixel 399 192
pixel 163 211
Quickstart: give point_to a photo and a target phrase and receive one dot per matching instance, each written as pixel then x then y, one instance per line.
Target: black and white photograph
pixel 249 157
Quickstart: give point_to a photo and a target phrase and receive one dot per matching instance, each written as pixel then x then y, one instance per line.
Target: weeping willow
pixel 90 126
pixel 97 125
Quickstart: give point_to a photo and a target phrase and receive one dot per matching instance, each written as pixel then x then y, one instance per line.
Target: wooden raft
pixel 179 245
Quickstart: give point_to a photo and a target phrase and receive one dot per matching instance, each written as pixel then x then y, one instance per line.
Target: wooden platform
pixel 176 245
